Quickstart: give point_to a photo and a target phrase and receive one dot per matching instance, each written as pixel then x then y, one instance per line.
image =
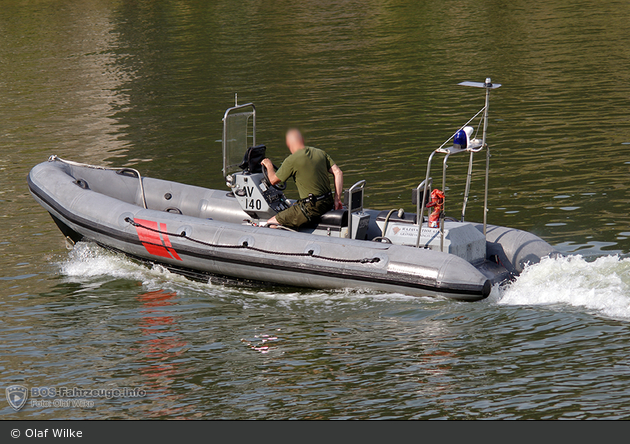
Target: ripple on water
pixel 528 351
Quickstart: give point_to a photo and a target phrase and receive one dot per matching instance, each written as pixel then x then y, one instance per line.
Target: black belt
pixel 313 199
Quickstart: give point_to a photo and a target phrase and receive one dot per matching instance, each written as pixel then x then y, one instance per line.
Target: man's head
pixel 294 139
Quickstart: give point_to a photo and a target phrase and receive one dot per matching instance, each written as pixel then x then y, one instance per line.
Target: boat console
pixel 462 239
pixel 257 198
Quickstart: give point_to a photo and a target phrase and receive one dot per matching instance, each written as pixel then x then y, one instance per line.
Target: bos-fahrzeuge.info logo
pixel 17 395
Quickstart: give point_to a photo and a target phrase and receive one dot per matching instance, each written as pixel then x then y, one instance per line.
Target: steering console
pixel 281 186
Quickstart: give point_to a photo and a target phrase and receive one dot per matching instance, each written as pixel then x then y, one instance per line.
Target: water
pixel 145 85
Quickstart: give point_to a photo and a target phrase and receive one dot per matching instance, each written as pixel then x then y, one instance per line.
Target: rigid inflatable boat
pixel 204 233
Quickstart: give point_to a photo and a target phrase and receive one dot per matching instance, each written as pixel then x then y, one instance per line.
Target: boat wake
pixel 601 286
pixel 89 263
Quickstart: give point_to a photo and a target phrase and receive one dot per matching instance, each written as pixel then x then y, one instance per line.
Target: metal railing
pixel 354 189
pixel 54 158
pixel 224 141
pixel 473 148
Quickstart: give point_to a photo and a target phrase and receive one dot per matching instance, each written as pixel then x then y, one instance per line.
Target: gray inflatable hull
pixel 200 233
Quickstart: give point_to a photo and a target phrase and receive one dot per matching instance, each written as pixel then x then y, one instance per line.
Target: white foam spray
pixel 602 285
pixel 88 260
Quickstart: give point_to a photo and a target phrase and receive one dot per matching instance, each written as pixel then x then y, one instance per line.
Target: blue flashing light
pixel 460 140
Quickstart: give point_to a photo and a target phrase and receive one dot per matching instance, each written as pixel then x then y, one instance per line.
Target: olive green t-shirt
pixel 309 168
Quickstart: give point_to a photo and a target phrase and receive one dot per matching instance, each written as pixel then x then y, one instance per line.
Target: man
pixel 309 167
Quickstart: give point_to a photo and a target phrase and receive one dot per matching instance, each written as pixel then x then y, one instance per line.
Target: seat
pixel 407 218
pixel 333 219
pixel 253 158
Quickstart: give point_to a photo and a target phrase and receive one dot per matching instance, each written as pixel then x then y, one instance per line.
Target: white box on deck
pixel 460 238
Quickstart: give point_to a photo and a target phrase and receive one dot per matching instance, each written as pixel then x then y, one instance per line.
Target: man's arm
pixel 271 171
pixel 336 171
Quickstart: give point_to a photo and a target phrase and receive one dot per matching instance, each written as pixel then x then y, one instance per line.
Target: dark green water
pixel 145 84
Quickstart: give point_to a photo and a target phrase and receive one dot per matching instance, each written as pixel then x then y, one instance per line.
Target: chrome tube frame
pixel 360 185
pixel 483 144
pixel 55 158
pixel 420 213
pixel 224 139
pixel 487 85
pixel 468 182
pixel 444 167
pixel 420 201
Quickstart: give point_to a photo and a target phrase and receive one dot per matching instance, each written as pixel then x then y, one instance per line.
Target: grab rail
pixel 354 189
pixel 55 158
pixel 224 138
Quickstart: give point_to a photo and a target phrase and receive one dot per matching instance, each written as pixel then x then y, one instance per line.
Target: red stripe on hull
pixel 167 242
pixel 153 243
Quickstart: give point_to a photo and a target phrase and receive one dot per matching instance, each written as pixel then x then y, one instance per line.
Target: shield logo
pixel 17 396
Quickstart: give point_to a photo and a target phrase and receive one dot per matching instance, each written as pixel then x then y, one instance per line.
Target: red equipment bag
pixel 437 203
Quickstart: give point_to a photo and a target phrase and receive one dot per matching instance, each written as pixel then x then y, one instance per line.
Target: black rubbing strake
pixel 246 246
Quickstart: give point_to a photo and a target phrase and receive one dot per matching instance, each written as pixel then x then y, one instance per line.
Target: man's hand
pixel 271 171
pixel 338 204
pixel 267 164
